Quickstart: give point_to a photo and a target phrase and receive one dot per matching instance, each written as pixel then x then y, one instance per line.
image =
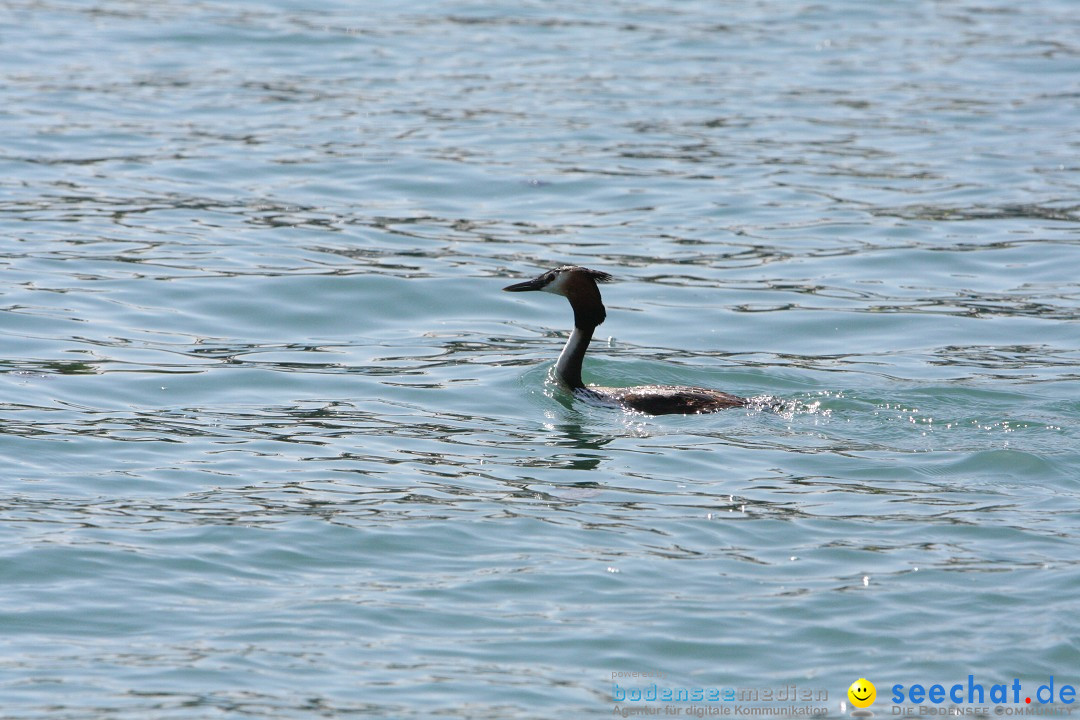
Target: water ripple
pixel 277 444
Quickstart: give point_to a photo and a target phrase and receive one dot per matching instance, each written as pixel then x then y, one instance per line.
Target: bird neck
pixel 568 368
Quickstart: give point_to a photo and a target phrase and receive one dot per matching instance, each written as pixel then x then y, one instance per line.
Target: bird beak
pixel 533 284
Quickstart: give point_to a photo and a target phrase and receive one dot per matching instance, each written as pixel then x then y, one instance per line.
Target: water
pixel 275 444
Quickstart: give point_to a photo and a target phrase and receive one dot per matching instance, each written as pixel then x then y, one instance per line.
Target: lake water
pixel 276 445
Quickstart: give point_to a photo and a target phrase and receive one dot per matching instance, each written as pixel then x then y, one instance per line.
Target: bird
pixel 579 285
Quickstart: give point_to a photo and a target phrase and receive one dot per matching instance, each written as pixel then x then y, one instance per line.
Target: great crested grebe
pixel 578 285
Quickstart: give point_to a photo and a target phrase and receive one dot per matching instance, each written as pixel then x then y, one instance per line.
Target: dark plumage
pixel 578 285
pixel 668 399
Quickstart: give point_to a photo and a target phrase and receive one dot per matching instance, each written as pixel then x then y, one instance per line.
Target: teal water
pixel 275 444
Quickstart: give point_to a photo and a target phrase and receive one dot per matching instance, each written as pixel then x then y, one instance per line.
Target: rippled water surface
pixel 275 444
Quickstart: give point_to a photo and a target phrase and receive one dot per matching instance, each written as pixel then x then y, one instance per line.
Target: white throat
pixel 568 367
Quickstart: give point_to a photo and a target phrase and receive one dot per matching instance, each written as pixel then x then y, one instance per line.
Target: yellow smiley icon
pixel 862 693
